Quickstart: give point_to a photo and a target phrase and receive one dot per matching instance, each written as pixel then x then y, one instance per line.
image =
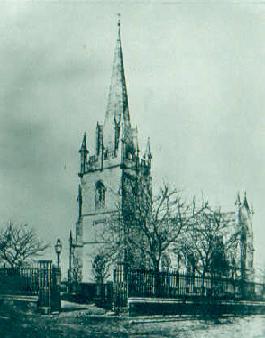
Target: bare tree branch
pixel 18 243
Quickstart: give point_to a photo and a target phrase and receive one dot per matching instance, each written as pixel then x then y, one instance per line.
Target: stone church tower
pixel 104 176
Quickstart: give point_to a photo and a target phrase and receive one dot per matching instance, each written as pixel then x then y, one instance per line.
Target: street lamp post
pixel 58 250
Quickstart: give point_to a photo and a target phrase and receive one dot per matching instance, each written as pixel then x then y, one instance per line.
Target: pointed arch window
pixel 100 195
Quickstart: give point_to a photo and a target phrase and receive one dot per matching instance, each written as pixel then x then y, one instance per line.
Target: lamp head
pixel 58 246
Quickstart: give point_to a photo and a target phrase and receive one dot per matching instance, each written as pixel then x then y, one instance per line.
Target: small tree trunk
pixel 99 291
pixel 157 277
pixel 203 282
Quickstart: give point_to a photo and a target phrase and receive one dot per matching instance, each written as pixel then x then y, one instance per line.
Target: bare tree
pixel 19 243
pixel 101 266
pixel 147 227
pixel 163 227
pixel 208 243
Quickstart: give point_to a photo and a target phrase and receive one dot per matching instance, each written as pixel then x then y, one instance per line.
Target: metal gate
pixel 120 289
pixel 49 287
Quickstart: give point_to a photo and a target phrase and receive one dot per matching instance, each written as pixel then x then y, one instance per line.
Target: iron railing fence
pixel 170 284
pixel 19 281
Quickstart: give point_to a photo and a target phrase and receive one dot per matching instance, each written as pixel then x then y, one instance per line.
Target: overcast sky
pixel 195 76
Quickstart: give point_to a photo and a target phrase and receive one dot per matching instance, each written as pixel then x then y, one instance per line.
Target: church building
pixel 108 181
pixel 105 176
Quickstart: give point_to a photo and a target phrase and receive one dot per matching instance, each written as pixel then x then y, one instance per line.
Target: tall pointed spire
pixel 117 106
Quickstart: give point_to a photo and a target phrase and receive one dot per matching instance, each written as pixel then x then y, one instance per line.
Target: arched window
pixel 100 195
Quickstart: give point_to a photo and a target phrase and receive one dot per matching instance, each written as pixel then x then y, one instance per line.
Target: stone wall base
pixel 23 303
pixel 155 306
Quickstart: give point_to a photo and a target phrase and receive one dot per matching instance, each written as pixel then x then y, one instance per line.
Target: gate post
pixel 44 301
pixel 56 290
pixel 120 299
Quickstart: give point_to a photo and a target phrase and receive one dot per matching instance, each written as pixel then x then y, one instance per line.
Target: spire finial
pixel 119 25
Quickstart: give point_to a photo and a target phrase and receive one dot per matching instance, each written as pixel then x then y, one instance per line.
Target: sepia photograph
pixel 132 168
